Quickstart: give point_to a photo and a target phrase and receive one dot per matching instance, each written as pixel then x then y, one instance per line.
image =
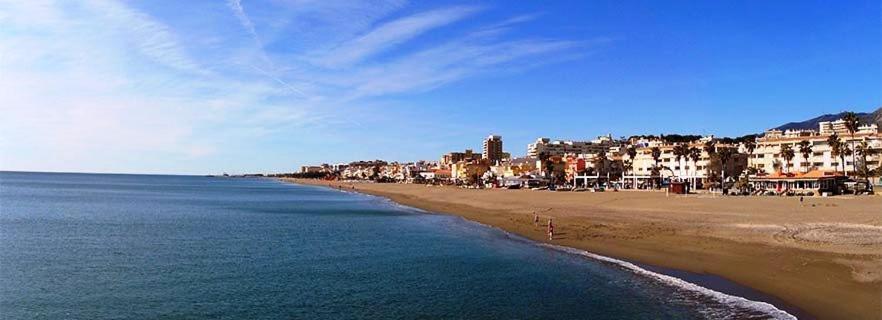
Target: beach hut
pixel 678 187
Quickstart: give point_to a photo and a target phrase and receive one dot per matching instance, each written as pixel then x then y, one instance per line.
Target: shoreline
pixel 771 271
pixel 712 286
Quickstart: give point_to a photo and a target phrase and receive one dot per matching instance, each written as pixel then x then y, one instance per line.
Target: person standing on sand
pixel 550 230
pixel 800 200
pixel 535 218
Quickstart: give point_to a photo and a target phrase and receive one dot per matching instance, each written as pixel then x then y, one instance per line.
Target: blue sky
pixel 265 86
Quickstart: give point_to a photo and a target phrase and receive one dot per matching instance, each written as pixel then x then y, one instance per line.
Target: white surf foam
pixel 759 306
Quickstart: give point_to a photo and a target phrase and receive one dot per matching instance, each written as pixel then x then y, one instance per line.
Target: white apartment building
pixel 685 168
pixel 767 155
pixel 563 147
pixel 838 127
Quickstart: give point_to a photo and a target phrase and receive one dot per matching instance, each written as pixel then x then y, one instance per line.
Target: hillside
pixel 872 117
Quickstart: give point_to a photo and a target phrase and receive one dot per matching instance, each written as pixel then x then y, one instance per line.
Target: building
pixel 311 169
pixel 493 148
pixel 454 157
pixel 684 168
pixel 838 127
pixel 767 158
pixel 816 181
pixel 514 167
pixel 574 167
pixel 548 147
pixel 467 171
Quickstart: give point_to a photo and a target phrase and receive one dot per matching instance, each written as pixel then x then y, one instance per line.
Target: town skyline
pixel 267 86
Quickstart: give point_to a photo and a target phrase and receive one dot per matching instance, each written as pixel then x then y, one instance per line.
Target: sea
pixel 108 246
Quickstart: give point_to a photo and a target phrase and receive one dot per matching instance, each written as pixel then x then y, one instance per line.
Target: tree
pixel 750 145
pixel 599 163
pixel 805 147
pixel 632 153
pixel 835 147
pixel 787 154
pixel 852 122
pixel 725 155
pixel 864 150
pixel 695 155
pixel 711 148
pixel 656 155
pixel 843 151
pixel 681 151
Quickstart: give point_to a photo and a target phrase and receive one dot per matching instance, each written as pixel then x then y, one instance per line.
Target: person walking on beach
pixel 535 218
pixel 800 200
pixel 550 230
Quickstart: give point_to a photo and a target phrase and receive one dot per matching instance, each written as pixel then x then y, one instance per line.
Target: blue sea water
pixel 88 246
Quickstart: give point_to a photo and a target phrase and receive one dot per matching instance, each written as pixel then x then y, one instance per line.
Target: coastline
pixel 842 282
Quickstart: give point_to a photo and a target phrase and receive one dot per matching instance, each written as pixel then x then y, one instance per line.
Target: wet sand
pixel 823 256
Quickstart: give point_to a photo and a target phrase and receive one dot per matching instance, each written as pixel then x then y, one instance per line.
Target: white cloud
pixel 98 85
pixel 391 34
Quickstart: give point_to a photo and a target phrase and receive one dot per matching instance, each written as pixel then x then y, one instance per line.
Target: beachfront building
pixel 468 156
pixel 493 149
pixel 548 147
pixel 468 171
pixel 514 167
pixel 575 166
pixel 311 169
pixel 815 181
pixel 685 168
pixel 767 156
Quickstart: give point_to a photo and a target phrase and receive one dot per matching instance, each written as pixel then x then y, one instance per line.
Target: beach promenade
pixel 823 256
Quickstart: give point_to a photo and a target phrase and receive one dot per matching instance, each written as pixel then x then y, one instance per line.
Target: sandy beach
pixel 823 256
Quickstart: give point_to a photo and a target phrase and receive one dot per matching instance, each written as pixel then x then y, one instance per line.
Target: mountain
pixel 871 117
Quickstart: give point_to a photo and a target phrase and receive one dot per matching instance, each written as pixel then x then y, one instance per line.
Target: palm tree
pixel 711 148
pixel 864 150
pixel 656 154
pixel 805 147
pixel 852 122
pixel 695 155
pixel 600 163
pixel 835 147
pixel 750 145
pixel 725 154
pixel 680 151
pixel 843 151
pixel 776 165
pixel 787 154
pixel 632 154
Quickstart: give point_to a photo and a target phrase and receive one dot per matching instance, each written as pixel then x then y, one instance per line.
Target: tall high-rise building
pixel 493 148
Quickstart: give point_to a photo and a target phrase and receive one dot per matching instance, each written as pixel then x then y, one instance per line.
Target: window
pixel 817 154
pixel 761 166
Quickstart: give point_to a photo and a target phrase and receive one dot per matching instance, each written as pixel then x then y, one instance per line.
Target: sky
pixel 247 86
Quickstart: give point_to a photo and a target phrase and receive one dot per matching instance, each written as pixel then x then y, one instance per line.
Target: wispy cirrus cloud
pixel 151 38
pixel 101 80
pixel 390 34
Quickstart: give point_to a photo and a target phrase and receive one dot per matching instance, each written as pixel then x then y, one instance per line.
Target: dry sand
pixel 823 256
